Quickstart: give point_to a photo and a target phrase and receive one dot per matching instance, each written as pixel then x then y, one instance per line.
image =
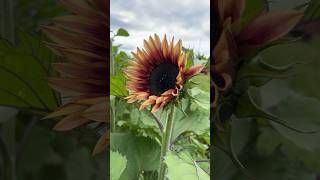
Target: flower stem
pixel 166 143
pixel 112 102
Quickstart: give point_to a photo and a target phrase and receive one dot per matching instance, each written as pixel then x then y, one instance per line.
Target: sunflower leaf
pixel 122 32
pixel 182 166
pixel 119 164
pixel 247 108
pixel 134 149
pixel 118 85
pixel 26 65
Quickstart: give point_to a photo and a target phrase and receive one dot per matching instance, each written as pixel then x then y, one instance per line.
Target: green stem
pixel 112 119
pixel 166 144
pixel 112 104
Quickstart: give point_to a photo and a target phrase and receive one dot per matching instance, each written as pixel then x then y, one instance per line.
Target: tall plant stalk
pixel 166 143
pixel 112 103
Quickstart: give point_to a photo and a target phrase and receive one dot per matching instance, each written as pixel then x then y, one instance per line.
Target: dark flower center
pixel 163 78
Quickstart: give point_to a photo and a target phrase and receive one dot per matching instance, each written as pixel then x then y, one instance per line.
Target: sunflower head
pixel 80 38
pixel 158 73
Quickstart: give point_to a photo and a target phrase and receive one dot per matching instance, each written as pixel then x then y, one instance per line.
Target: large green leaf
pixel 270 142
pixel 198 88
pixel 293 110
pixel 312 13
pixel 118 165
pixel 182 166
pixel 252 8
pixel 118 85
pixel 143 154
pixel 194 120
pixel 23 74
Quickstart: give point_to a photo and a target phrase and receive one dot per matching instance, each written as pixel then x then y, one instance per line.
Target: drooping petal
pixel 66 109
pixel 102 143
pixel 268 27
pixel 155 108
pixel 70 122
pixel 147 103
pixel 196 69
pixel 97 112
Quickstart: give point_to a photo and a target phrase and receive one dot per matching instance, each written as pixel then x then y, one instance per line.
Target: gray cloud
pixel 188 20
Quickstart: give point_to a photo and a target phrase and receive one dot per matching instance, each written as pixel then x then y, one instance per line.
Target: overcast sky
pixel 188 20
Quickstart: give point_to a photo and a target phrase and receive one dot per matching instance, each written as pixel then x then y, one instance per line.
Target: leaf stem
pixel 166 143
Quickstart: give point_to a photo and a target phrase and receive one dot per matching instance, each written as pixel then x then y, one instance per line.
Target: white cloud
pixel 188 20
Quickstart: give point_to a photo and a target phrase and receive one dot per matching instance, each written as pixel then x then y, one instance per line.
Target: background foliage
pixel 266 149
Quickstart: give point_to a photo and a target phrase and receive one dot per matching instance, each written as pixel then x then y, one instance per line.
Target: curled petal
pixel 146 103
pixel 222 81
pixel 155 108
pixel 169 92
pixel 179 78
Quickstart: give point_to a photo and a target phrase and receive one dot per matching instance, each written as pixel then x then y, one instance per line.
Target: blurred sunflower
pixel 82 39
pixel 236 41
pixel 158 72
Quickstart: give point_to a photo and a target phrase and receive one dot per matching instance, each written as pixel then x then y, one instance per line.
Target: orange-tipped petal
pixel 130 97
pixel 142 95
pixel 153 97
pixel 176 51
pixel 168 92
pixel 146 103
pixel 165 48
pixel 160 100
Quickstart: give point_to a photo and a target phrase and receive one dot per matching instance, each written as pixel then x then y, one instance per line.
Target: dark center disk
pixel 163 78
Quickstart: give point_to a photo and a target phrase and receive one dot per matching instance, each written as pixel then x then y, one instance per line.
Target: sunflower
pixel 158 72
pixel 81 38
pixel 235 41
